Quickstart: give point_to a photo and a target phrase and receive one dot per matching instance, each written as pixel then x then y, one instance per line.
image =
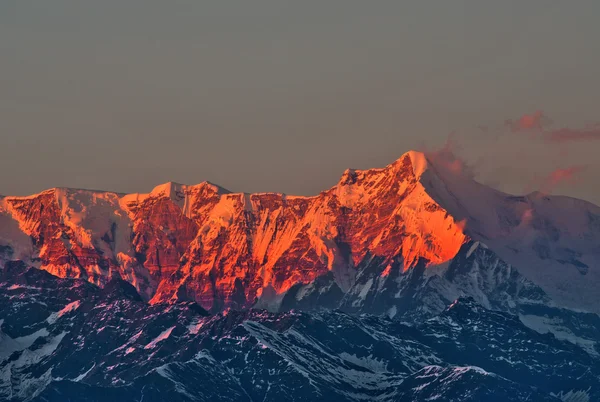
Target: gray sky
pixel 283 96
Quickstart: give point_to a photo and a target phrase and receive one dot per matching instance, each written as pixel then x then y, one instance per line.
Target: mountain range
pixel 409 282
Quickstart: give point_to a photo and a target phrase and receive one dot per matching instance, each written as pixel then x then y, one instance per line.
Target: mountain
pixel 220 249
pixel 423 292
pixel 68 340
pixel 403 241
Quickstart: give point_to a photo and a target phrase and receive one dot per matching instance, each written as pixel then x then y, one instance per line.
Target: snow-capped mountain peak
pixel 222 249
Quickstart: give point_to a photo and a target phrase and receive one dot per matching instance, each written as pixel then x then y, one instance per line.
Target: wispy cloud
pixel 557 177
pixel 565 135
pixel 535 121
pixel 548 183
pixel 448 157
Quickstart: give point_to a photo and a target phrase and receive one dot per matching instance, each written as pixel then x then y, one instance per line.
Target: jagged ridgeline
pixel 223 249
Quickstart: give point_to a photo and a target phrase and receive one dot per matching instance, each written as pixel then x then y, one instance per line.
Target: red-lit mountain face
pixel 225 249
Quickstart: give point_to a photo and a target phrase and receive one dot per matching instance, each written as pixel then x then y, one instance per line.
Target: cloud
pixel 548 183
pixel 568 175
pixel 538 122
pixel 565 135
pixel 529 122
pixel 447 158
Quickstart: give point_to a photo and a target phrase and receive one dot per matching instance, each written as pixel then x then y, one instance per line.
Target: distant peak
pixel 167 189
pixel 171 188
pixel 214 187
pixel 33 196
pixel 419 162
pixel 348 177
pixel 415 160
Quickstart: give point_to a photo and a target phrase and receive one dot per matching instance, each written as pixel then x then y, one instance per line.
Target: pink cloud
pixel 564 135
pixel 547 184
pixel 529 122
pixel 568 175
pixel 447 158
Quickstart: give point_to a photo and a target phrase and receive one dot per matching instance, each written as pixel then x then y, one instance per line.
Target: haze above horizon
pixel 266 96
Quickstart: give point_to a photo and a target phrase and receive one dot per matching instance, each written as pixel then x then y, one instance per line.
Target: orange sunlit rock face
pixel 224 249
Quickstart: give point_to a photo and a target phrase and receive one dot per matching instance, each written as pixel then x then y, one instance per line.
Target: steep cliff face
pixel 250 244
pixel 225 249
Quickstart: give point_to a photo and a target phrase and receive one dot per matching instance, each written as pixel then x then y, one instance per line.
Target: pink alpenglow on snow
pixel 222 249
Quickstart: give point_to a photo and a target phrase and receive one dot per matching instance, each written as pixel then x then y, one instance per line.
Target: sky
pixel 284 96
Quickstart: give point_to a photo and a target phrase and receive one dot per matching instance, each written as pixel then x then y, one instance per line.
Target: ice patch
pixel 195 326
pixel 15 287
pixel 67 309
pixel 163 335
pixel 472 249
pixel 82 376
pixel 365 290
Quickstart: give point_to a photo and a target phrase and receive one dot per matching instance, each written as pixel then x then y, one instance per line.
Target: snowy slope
pixel 553 240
